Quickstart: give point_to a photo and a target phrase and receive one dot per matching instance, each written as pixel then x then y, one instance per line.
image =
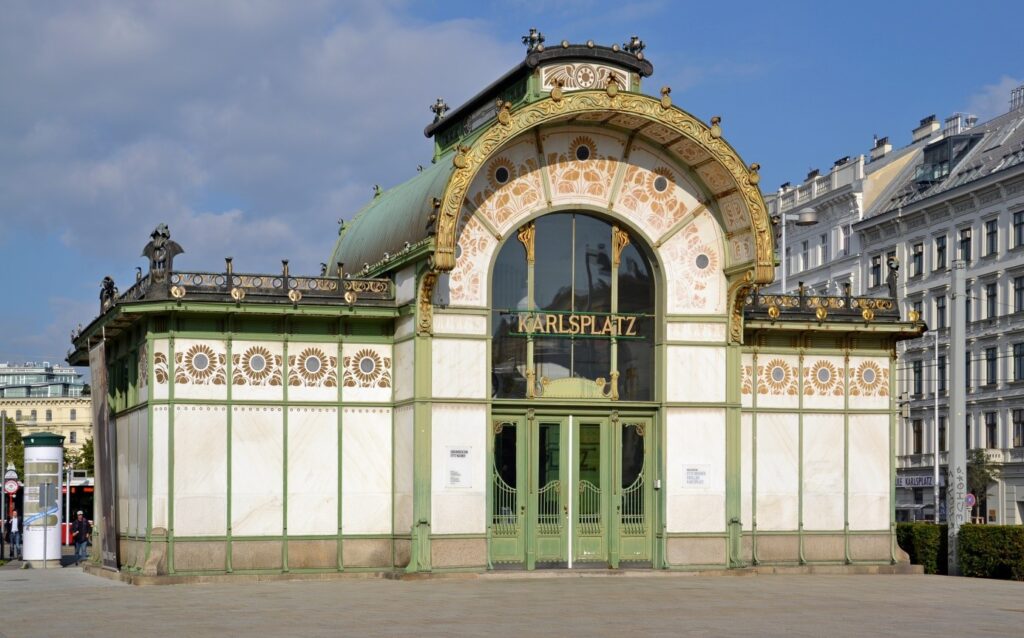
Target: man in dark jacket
pixel 81 531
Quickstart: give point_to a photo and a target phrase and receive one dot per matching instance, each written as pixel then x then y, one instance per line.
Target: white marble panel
pixel 257 471
pixel 747 380
pixel 200 369
pixel 823 471
pixel 405 326
pixel 869 472
pixel 653 193
pixel 161 370
pixel 257 370
pixel 141 513
pixel 461 509
pixel 459 368
pixel 695 439
pixel 869 383
pixel 367 372
pixel 200 470
pixel 778 478
pixel 312 471
pixel 694 260
pixel 573 181
pixel 505 197
pixel 405 285
pixel 366 471
pixel 824 382
pixel 693 331
pixel 695 374
pixel 405 370
pixel 778 381
pixel 404 453
pixel 123 433
pixel 313 371
pixel 459 324
pixel 746 470
pixel 160 466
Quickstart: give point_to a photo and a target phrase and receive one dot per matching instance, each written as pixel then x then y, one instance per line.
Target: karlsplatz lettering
pixel 576 324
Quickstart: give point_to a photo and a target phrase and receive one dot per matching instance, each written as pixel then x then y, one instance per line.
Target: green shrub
pixel 926 545
pixel 992 551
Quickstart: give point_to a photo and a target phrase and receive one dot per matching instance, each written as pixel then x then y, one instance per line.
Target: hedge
pixel 926 545
pixel 992 551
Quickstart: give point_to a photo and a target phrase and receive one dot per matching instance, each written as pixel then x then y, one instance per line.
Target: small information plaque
pixel 459 470
pixel 695 477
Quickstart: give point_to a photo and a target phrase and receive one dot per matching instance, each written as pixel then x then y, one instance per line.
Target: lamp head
pixel 807 217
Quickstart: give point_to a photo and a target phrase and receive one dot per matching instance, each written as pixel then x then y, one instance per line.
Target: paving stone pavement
pixel 66 602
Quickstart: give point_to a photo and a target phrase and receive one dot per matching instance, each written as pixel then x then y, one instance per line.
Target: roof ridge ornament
pixel 439 108
pixel 534 40
pixel 635 46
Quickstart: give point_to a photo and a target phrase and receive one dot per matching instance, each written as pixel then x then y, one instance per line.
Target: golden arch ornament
pixel 469 159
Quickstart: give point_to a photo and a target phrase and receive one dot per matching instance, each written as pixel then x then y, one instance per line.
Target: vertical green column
pixel 284 448
pixel 419 560
pixel 229 339
pixel 170 445
pixel 753 458
pixel 846 451
pixel 733 452
pixel 800 455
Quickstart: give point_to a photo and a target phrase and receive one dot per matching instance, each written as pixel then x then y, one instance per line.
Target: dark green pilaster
pixel 733 452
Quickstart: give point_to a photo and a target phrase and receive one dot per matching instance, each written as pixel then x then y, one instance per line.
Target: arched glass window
pixel 573 304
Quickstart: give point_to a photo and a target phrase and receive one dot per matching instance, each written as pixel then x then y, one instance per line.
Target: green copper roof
pixel 44 439
pixel 397 216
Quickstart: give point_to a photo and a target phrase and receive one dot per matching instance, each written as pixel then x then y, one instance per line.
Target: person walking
pixel 14 525
pixel 81 531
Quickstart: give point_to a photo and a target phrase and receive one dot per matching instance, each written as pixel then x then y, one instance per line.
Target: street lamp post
pixel 806 217
pixel 935 431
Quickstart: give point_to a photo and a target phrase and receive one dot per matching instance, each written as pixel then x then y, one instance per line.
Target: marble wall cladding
pixel 405 326
pixel 653 193
pixel 693 331
pixel 405 286
pixel 777 381
pixel 257 370
pixel 581 164
pixel 747 380
pixel 823 472
pixel 824 382
pixel 869 472
pixel 778 478
pixel 367 372
pixel 746 470
pixel 695 374
pixel 459 324
pixel 405 369
pixel 160 465
pixel 694 261
pixel 459 368
pixel 467 284
pixel 366 470
pixel 140 423
pixel 123 477
pixel 312 471
pixel 257 471
pixel 509 187
pixel 458 468
pixel 312 371
pixel 403 469
pixel 869 382
pixel 695 470
pixel 200 369
pixel 200 470
pixel 161 369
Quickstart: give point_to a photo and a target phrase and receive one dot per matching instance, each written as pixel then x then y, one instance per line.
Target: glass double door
pixel 571 491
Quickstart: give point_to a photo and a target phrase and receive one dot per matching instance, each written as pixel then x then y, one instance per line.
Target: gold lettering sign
pixel 529 324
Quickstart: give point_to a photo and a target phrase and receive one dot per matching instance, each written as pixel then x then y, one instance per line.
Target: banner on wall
pixel 104 441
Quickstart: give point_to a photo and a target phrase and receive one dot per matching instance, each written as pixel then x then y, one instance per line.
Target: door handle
pixel 522 509
pixel 565 509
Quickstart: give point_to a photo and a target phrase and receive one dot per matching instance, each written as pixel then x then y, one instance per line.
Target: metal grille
pixel 632 516
pixel 549 518
pixel 590 509
pixel 505 520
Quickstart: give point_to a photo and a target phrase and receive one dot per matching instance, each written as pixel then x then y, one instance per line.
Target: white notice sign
pixel 460 468
pixel 695 477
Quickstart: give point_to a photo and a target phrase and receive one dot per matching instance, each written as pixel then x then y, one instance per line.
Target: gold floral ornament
pixel 160 367
pixel 257 366
pixel 778 378
pixel 312 367
pixel 367 369
pixel 823 379
pixel 199 365
pixel 870 380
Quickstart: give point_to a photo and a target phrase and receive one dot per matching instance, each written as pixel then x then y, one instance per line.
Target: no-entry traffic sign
pixel 10 486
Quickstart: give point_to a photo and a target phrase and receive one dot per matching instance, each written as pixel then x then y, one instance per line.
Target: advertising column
pixel 44 457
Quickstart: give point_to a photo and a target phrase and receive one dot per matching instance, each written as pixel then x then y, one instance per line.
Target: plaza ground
pixel 69 602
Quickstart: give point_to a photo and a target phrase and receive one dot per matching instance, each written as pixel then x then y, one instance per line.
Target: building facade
pixel 546 350
pixel 46 398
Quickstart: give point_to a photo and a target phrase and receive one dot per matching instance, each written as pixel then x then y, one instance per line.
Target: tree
pixel 70 458
pixel 980 473
pixel 15 448
pixel 85 456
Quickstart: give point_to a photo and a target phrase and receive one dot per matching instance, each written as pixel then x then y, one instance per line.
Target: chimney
pixel 970 121
pixel 925 129
pixel 1017 98
pixel 954 124
pixel 841 161
pixel 881 149
pixel 811 174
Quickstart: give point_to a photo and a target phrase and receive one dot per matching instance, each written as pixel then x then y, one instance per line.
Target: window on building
pixel 918 377
pixel 74 437
pixel 823 255
pixel 942 372
pixel 74 414
pixel 918 431
pixel 1018 428
pixel 17 415
pixel 805 261
pixel 1018 229
pixel 1018 362
pixel 991 301
pixel 991 237
pixel 991 362
pixel 965 244
pixel 876 271
pixel 967 430
pixel 49 415
pixel 32 415
pixel 967 371
pixel 940 252
pixel 789 260
pixel 990 430
pixel 917 260
pixel 846 239
pixel 942 434
pixel 968 304
pixel 940 311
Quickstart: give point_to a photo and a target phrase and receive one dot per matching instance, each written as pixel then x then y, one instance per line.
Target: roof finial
pixel 534 40
pixel 634 46
pixel 439 108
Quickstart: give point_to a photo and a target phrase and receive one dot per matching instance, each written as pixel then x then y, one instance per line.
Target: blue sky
pixel 252 127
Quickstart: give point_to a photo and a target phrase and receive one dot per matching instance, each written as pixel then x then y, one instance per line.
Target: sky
pixel 252 127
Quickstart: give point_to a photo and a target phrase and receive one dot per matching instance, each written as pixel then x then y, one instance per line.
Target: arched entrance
pixel 573 329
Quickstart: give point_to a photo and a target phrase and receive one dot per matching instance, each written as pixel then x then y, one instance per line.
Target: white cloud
pixel 993 99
